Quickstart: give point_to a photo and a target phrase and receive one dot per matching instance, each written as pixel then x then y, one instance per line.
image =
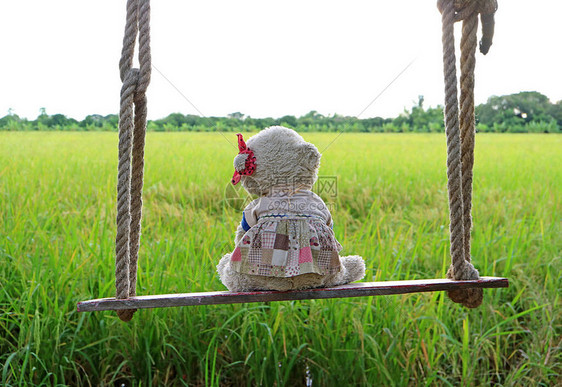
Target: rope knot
pixel 132 85
pixel 131 78
pixel 464 271
pixel 471 298
pixel 465 9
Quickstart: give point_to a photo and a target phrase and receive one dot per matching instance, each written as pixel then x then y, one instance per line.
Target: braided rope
pixel 460 133
pixel 132 128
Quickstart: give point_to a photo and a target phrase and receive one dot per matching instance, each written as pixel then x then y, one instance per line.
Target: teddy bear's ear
pixel 240 161
pixel 310 156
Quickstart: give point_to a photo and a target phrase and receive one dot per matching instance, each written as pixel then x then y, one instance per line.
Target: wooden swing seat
pixel 357 289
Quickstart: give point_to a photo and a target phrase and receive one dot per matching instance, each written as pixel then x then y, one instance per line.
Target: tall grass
pixel 56 248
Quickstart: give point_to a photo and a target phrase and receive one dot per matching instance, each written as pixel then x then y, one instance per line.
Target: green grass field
pixel 57 197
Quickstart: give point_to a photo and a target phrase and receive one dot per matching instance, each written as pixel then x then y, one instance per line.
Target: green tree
pixel 289 120
pixel 513 112
pixel 236 116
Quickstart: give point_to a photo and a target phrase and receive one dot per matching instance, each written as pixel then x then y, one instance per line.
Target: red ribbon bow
pixel 250 166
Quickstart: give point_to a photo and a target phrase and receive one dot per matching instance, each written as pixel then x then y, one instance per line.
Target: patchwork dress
pixel 287 235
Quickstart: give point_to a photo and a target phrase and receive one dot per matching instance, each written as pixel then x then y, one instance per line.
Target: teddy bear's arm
pixel 239 234
pixel 330 222
pixel 326 212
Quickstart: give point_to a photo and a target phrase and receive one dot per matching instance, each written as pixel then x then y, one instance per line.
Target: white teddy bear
pixel 285 240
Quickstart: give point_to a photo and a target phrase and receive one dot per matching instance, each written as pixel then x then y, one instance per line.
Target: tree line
pixel 525 112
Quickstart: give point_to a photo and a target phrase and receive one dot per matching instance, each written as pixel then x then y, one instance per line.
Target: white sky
pixel 264 58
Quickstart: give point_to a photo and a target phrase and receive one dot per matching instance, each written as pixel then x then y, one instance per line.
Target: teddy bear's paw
pixel 354 268
pixel 224 270
pixel 230 278
pixel 238 282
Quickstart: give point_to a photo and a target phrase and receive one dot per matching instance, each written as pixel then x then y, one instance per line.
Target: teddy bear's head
pixel 283 160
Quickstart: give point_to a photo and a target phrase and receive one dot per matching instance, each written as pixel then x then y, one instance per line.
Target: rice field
pixel 57 198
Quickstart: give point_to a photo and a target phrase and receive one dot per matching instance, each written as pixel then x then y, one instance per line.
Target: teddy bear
pixel 285 240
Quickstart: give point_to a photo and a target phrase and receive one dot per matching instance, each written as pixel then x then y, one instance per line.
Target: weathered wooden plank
pixel 358 289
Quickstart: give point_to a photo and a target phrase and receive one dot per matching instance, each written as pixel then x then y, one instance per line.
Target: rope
pixel 460 131
pixel 132 128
